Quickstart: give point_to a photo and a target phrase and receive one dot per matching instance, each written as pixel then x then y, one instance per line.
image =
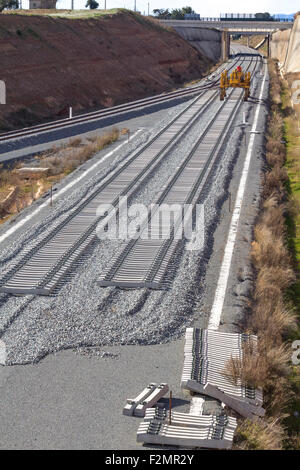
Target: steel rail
pixel 67 243
pixel 49 263
pixel 143 262
pixel 95 115
pixel 126 270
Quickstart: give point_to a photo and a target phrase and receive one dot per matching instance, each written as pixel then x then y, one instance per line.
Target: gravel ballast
pixel 86 315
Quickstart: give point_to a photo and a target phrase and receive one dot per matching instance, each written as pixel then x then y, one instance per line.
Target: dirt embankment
pixel 285 47
pixel 50 63
pixel 280 44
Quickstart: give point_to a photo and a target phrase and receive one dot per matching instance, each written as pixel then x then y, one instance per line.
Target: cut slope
pixel 285 46
pixel 50 63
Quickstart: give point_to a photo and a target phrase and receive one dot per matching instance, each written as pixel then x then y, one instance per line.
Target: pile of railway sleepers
pixel 205 355
pixel 146 399
pixel 186 430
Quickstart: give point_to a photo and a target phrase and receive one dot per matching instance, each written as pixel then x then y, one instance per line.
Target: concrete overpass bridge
pixel 233 27
pixel 212 38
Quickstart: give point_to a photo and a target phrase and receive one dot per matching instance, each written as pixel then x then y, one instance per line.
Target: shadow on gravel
pixel 175 402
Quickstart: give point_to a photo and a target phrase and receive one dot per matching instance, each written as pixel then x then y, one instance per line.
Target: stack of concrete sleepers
pixel 146 399
pixel 212 432
pixel 186 419
pixel 205 355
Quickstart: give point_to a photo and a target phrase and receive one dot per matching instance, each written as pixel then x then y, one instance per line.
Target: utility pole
pixel 148 9
pixel 104 4
pixel 72 4
pixel 134 5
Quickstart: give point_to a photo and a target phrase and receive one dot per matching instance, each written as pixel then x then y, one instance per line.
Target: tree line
pixel 175 14
pixel 9 4
pixel 179 13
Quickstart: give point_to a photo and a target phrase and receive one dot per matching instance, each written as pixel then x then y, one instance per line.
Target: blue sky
pixel 212 8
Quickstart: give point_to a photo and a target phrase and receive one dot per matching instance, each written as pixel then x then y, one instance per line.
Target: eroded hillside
pixel 50 63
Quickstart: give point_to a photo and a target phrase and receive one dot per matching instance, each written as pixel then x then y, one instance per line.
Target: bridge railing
pixel 209 19
pixel 250 19
pixel 231 25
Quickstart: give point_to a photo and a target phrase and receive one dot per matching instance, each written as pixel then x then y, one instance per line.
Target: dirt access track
pixel 50 63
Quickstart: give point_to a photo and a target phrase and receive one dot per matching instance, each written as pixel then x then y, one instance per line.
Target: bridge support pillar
pixel 225 46
pixel 269 45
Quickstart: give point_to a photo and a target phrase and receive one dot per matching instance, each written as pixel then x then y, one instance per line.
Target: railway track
pixel 110 112
pixel 145 260
pixel 44 267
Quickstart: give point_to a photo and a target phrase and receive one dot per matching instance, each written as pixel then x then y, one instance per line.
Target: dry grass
pixel 75 153
pixel 273 277
pixel 271 318
pixel 8 178
pixel 275 157
pixel 275 147
pixel 274 182
pixel 259 435
pixel 61 13
pixel 156 23
pixel 278 395
pixel 273 216
pixel 257 368
pixel 250 371
pixel 76 142
pixel 60 161
pixel 267 368
pixel 275 86
pixel 275 127
pixel 267 249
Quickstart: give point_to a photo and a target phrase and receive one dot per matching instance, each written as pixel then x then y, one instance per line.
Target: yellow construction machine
pixel 237 79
